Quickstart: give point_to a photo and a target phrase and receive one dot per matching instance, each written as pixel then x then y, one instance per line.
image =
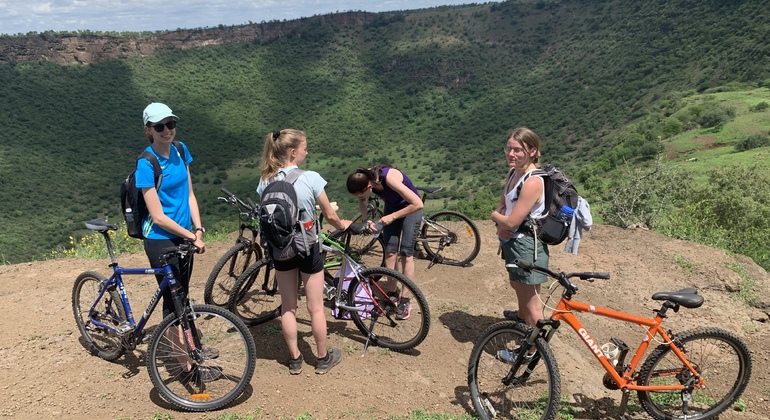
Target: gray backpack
pixel 284 232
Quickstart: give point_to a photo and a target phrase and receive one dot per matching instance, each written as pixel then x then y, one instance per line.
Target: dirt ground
pixel 49 374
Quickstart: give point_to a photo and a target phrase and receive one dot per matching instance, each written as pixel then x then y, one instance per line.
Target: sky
pixel 24 16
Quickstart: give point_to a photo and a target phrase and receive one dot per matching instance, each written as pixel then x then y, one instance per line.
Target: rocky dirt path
pixel 48 373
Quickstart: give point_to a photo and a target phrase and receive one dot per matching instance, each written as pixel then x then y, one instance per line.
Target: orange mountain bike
pixel 697 374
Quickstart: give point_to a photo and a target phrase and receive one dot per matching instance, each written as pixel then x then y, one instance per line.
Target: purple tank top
pixel 392 199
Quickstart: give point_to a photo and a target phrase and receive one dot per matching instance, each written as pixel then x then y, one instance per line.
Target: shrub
pixel 753 141
pixel 716 116
pixel 760 107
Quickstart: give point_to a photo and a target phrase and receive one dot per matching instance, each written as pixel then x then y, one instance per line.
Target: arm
pixel 195 216
pixel 159 218
pixel 530 195
pixel 396 182
pixel 329 214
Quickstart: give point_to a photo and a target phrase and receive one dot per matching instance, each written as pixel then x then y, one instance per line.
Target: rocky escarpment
pixel 66 49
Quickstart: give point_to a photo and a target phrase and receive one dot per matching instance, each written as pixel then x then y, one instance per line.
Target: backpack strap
pixel 156 169
pixel 293 175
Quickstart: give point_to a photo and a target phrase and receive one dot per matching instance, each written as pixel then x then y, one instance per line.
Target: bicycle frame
pixel 335 295
pixel 117 279
pixel 130 325
pixel 564 312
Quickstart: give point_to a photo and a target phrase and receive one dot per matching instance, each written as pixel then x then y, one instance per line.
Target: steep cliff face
pixel 66 49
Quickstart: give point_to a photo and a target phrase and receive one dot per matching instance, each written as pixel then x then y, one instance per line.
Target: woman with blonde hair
pixel 283 152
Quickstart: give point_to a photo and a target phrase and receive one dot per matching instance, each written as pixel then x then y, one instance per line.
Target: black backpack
pixel 131 198
pixel 280 220
pixel 553 227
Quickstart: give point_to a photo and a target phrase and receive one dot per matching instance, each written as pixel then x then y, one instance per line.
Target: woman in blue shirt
pixel 173 213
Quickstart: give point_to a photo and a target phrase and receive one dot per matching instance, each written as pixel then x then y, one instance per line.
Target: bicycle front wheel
pixel 393 311
pixel 108 310
pixel 499 390
pixel 254 297
pixel 226 271
pixel 719 357
pixel 449 237
pixel 220 372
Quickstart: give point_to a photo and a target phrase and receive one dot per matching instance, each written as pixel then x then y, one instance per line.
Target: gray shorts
pixel 522 247
pixel 406 228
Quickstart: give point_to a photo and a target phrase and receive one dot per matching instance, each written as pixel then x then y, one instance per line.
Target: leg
pixel 530 306
pixel 314 294
pixel 287 287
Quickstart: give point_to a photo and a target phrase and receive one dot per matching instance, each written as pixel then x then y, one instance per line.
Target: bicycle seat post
pixel 110 252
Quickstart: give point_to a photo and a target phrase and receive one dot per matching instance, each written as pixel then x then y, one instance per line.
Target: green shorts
pixel 522 247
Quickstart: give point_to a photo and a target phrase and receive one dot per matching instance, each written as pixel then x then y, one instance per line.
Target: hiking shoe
pixel 295 365
pixel 404 309
pixel 509 356
pixel 209 353
pixel 332 358
pixel 512 316
pixel 201 374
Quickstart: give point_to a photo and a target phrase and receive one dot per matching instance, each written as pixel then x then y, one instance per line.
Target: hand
pixel 386 220
pixel 504 234
pixel 200 245
pixel 345 224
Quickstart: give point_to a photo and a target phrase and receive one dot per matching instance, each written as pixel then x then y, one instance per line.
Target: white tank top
pixel 512 196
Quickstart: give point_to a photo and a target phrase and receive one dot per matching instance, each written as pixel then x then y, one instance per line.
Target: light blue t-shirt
pixel 308 186
pixel 174 193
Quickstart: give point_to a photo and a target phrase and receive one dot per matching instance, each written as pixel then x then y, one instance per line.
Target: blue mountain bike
pixel 199 358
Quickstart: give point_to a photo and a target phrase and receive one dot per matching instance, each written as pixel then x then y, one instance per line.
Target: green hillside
pixel 433 91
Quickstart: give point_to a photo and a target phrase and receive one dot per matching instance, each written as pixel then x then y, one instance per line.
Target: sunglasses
pixel 170 125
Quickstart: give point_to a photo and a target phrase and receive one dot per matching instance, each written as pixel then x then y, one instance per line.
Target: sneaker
pixel 512 316
pixel 209 353
pixel 508 356
pixel 295 365
pixel 404 309
pixel 393 296
pixel 332 358
pixel 201 374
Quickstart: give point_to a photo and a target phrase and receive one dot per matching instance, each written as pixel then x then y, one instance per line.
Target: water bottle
pixel 565 214
pixel 377 226
pixel 129 215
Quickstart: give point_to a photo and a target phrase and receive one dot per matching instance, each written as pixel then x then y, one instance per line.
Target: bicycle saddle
pixel 689 297
pixel 100 225
pixel 430 190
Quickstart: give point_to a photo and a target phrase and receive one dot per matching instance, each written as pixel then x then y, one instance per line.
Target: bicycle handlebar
pixel 562 277
pixel 231 198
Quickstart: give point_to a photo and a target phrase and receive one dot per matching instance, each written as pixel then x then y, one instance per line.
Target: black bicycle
pixel 447 237
pixel 199 358
pixel 237 259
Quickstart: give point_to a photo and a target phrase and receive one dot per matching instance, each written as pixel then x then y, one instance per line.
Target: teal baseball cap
pixel 156 111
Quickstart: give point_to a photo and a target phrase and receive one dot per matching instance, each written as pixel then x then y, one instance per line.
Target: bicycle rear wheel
pixel 226 271
pixel 221 372
pixel 719 357
pixel 379 309
pixel 450 238
pixel 254 297
pixel 108 310
pixel 497 391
